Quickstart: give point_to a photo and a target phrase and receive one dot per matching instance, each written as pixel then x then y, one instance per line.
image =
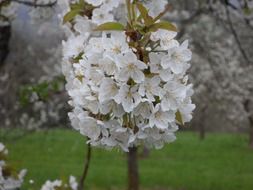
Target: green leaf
pixel 71 15
pixel 163 25
pixel 78 57
pixel 179 118
pixel 42 90
pixel 148 20
pixel 110 26
pixel 24 94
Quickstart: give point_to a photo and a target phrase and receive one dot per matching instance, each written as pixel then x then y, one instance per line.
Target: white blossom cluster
pixel 9 182
pixel 60 185
pixel 119 99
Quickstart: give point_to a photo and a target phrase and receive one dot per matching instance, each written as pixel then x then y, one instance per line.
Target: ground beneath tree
pixel 222 162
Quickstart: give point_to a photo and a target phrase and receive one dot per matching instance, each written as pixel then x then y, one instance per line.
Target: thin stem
pixel 86 168
pixel 159 51
pixel 167 8
pixel 133 11
pixel 128 3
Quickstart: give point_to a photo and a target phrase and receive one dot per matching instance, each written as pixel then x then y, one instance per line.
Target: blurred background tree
pixel 221 38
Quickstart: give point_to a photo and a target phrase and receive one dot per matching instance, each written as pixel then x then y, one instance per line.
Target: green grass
pixel 221 162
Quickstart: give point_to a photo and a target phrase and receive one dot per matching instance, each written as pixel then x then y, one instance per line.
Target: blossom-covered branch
pixel 127 82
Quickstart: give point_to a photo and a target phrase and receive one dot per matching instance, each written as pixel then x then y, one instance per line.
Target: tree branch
pixel 35 4
pixel 231 26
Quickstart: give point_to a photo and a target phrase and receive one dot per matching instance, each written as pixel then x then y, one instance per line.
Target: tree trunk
pixel 5 34
pixel 133 173
pixel 247 108
pixel 202 132
pixel 202 129
pixel 251 134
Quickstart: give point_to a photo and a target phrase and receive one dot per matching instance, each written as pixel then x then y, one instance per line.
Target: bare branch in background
pixel 231 26
pixel 35 4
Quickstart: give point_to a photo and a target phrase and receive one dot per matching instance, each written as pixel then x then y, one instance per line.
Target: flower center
pixel 131 66
pixel 176 56
pixel 116 49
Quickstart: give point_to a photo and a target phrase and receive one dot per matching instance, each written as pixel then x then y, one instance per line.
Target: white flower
pixel 160 118
pixel 58 184
pixel 108 66
pixel 122 136
pixel 94 74
pixel 144 109
pixel 94 2
pixel 177 58
pixel 186 110
pixel 111 4
pixel 130 67
pixel 128 97
pixel 111 106
pixel 95 46
pixel 166 75
pixel 92 103
pixel 101 15
pixel 79 92
pixel 74 116
pixel 89 127
pixel 150 88
pixel 73 46
pixel 82 25
pixel 155 62
pixel 108 90
pixel 166 38
pixel 73 183
pixel 174 93
pixel 51 185
pixel 115 45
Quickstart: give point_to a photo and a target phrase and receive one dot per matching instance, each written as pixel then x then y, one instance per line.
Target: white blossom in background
pixel 8 12
pixel 60 185
pixel 119 100
pixel 40 14
pixel 12 180
pixel 9 8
